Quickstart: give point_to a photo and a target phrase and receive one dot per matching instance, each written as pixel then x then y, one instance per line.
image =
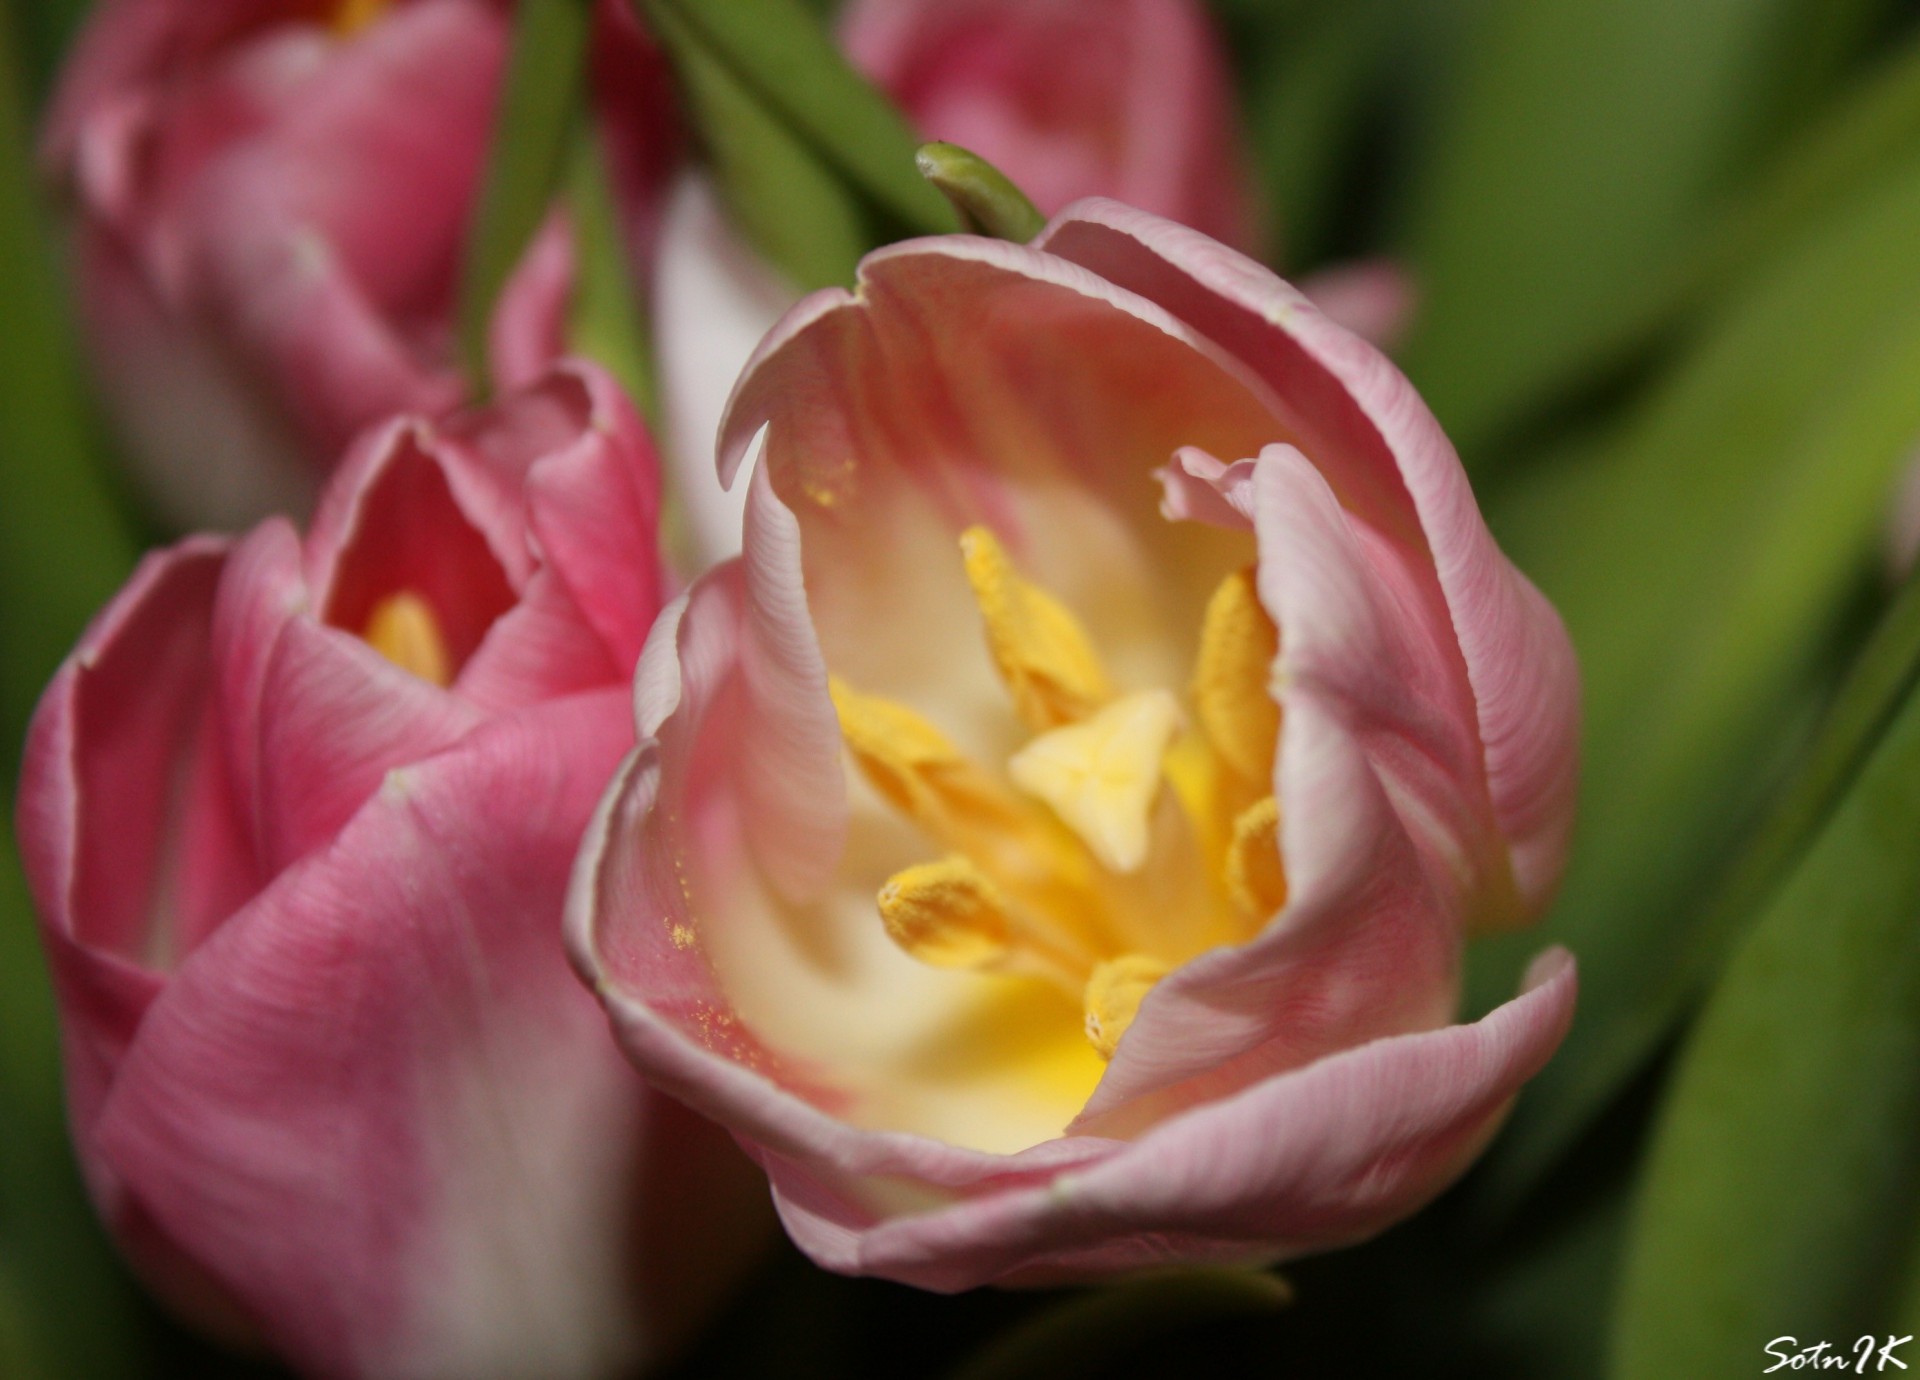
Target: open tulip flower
pixel 271 201
pixel 1051 843
pixel 298 816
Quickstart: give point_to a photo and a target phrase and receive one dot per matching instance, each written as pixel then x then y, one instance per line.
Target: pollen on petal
pixel 1238 643
pixel 1256 877
pixel 947 913
pixel 1113 997
pixel 404 629
pixel 1101 776
pixel 1043 654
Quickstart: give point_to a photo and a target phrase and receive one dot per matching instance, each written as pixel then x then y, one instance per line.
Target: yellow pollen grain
pixel 1101 776
pixel 1256 877
pixel 1043 654
pixel 1113 996
pixel 948 914
pixel 404 630
pixel 351 16
pixel 1231 698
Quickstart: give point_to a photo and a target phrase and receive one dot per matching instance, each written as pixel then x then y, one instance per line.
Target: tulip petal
pixel 1325 1156
pixel 1363 426
pixel 426 1141
pixel 1123 99
pixel 130 834
pixel 1375 744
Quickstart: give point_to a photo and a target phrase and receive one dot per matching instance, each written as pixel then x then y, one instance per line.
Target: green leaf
pixel 1705 559
pixel 1093 1334
pixel 604 317
pixel 64 545
pixel 539 105
pixel 788 200
pixel 1786 1157
pixel 984 198
pixel 783 58
pixel 1585 142
pixel 1868 134
pixel 74 1312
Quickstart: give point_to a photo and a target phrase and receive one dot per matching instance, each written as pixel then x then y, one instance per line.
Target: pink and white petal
pixel 638 930
pixel 1197 487
pixel 1321 1157
pixel 388 1059
pixel 1380 797
pixel 714 300
pixel 973 381
pixel 1361 423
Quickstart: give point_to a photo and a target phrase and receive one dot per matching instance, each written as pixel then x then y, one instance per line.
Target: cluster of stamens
pixel 1062 868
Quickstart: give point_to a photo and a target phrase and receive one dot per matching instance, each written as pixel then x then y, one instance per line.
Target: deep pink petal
pixel 1362 425
pixel 529 328
pixel 386 1058
pixel 129 833
pixel 1128 99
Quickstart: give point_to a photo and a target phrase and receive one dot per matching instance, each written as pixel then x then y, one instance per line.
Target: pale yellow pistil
pixel 1101 776
pixel 404 630
pixel 1037 879
pixel 351 16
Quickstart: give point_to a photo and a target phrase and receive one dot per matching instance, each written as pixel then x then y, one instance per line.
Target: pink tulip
pixel 298 816
pixel 1128 99
pixel 271 206
pixel 1132 937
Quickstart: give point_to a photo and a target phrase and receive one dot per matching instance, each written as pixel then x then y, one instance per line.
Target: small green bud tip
pixel 985 198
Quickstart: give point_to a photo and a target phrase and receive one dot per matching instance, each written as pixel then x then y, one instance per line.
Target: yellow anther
pixel 351 16
pixel 1043 653
pixel 1230 679
pixel 1113 997
pixel 404 630
pixel 922 774
pixel 1256 876
pixel 947 913
pixel 1100 777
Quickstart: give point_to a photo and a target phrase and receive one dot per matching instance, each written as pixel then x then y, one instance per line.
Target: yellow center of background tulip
pixel 404 629
pixel 1060 867
pixel 351 16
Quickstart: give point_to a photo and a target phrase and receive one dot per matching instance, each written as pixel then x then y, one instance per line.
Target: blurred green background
pixel 1667 255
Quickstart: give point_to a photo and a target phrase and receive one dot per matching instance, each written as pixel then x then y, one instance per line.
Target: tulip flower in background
pixel 298 817
pixel 1131 936
pixel 272 201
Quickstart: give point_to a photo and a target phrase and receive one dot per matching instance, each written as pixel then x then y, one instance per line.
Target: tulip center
pixel 404 629
pixel 1131 831
pixel 351 16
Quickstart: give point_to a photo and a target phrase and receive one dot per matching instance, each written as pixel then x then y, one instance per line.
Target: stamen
pixel 404 630
pixel 1044 655
pixel 1238 643
pixel 351 16
pixel 1256 878
pixel 947 913
pixel 1113 998
pixel 950 914
pixel 921 773
pixel 1101 777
